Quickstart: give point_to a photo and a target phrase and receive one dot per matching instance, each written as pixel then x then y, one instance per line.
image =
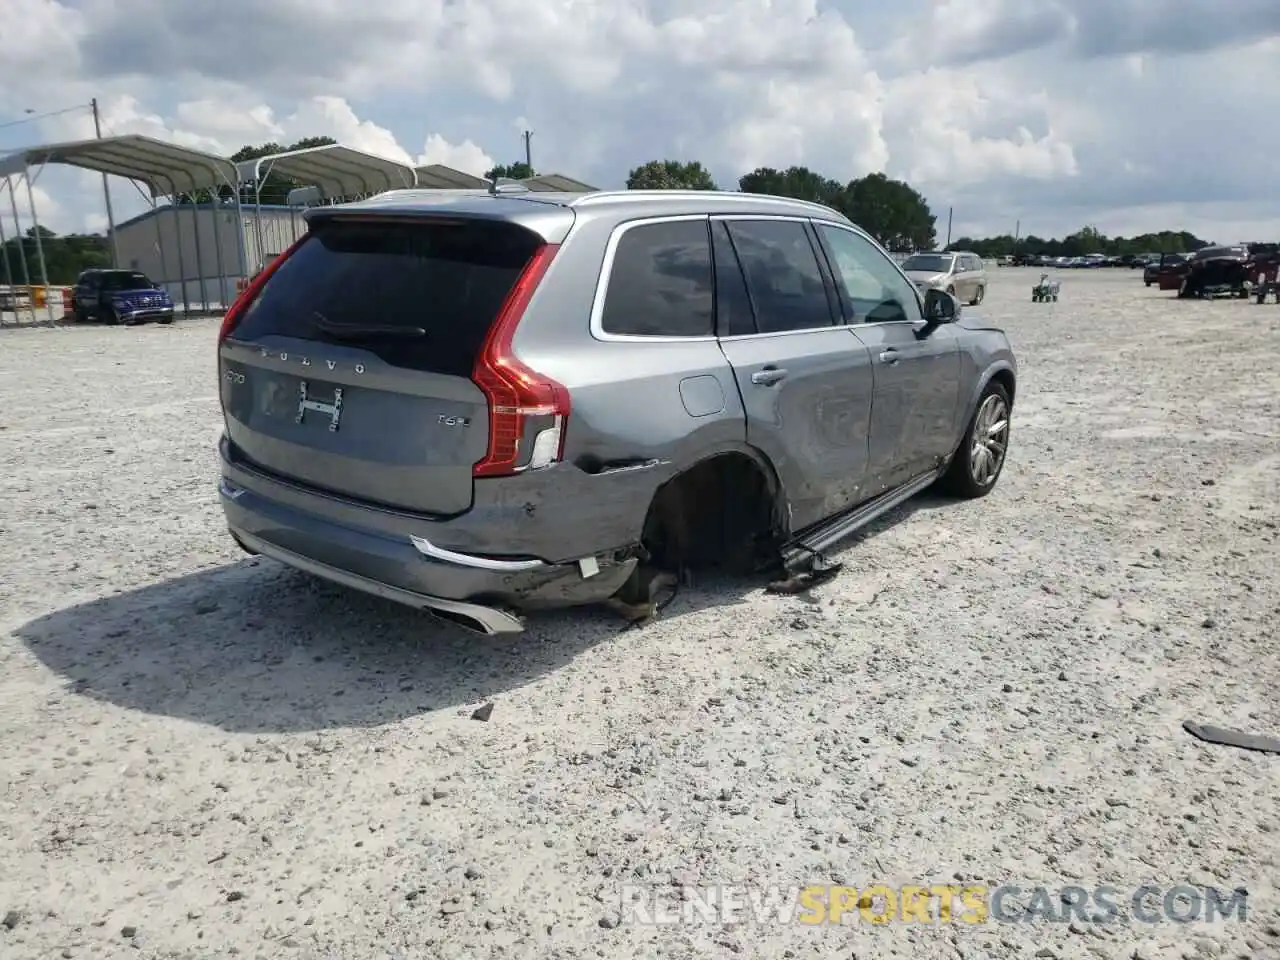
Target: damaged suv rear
pixel 492 403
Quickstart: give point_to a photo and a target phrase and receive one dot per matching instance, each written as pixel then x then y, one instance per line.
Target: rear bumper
pixel 489 620
pixel 411 569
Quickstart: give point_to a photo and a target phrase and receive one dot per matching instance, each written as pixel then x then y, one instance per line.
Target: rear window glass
pixel 417 295
pixel 661 283
pixel 782 273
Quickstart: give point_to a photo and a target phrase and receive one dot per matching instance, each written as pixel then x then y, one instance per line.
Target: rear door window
pixel 419 295
pixel 782 273
pixel 661 283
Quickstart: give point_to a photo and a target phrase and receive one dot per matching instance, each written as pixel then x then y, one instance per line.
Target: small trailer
pixel 1045 290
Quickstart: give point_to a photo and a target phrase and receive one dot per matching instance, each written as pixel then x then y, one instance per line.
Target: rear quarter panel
pixel 642 411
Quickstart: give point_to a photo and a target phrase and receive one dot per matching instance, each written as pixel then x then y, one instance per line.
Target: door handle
pixel 889 356
pixel 768 376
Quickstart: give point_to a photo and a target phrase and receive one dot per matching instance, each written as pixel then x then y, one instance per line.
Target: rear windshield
pixel 1210 253
pixel 126 281
pixel 417 295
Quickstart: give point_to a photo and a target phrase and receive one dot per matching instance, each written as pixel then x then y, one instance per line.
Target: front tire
pixel 979 461
pixel 978 295
pixel 110 317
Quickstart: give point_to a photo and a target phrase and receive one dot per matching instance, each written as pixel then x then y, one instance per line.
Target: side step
pixel 799 552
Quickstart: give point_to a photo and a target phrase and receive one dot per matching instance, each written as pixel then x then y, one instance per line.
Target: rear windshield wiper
pixel 365 331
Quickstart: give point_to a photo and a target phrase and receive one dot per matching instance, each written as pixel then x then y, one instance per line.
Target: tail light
pixel 252 289
pixel 519 397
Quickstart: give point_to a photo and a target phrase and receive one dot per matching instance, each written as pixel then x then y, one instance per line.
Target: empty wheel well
pixel 720 514
pixel 1006 380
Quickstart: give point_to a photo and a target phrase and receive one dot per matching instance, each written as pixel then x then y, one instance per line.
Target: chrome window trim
pixel 606 274
pixel 606 271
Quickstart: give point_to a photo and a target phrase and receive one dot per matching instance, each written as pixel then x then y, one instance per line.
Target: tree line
pixel 1085 241
pixel 892 211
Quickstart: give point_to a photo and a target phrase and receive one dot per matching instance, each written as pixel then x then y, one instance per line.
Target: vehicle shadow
pixel 254 647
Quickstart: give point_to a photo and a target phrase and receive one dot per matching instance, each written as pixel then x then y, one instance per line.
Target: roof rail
pixel 602 196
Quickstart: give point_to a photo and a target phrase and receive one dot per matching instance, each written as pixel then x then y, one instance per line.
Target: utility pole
pixel 950 211
pixel 528 151
pixel 106 192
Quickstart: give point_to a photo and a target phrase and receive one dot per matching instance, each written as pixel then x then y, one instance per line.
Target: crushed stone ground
pixel 206 755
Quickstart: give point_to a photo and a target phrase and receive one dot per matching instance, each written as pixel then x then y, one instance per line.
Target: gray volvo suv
pixel 486 403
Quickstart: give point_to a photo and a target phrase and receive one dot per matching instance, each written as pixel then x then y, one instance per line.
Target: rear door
pixel 917 381
pixel 350 372
pixel 805 380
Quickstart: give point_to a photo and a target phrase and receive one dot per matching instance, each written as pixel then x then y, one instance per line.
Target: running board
pixel 800 551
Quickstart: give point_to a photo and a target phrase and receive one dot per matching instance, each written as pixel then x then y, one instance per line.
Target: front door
pixel 915 411
pixel 805 379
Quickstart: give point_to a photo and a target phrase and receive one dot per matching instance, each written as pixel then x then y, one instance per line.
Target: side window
pixel 872 287
pixel 734 317
pixel 661 283
pixel 782 273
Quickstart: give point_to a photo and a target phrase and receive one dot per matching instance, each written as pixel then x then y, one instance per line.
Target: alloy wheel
pixel 990 440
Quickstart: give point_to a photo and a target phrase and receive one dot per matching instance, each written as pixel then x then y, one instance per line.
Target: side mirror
pixel 939 307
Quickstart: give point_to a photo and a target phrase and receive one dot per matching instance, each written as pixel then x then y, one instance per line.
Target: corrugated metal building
pixel 194 251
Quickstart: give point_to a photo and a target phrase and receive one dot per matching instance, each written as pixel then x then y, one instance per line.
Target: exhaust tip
pixel 470 624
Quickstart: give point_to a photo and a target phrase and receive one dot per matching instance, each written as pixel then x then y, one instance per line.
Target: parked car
pixel 119 296
pixel 486 405
pixel 1215 272
pixel 1165 271
pixel 959 273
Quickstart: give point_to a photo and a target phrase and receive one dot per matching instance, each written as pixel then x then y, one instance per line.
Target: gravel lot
pixel 207 755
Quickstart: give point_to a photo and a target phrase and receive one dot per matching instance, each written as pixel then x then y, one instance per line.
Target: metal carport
pixel 166 169
pixel 438 176
pixel 557 183
pixel 334 171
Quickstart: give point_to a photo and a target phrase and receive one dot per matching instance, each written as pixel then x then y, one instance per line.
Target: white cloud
pixel 1042 110
pixel 465 156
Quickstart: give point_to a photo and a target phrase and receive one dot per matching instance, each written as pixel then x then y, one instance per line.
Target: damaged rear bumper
pixel 480 592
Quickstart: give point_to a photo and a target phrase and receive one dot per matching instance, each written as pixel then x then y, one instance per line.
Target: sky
pixel 1038 115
